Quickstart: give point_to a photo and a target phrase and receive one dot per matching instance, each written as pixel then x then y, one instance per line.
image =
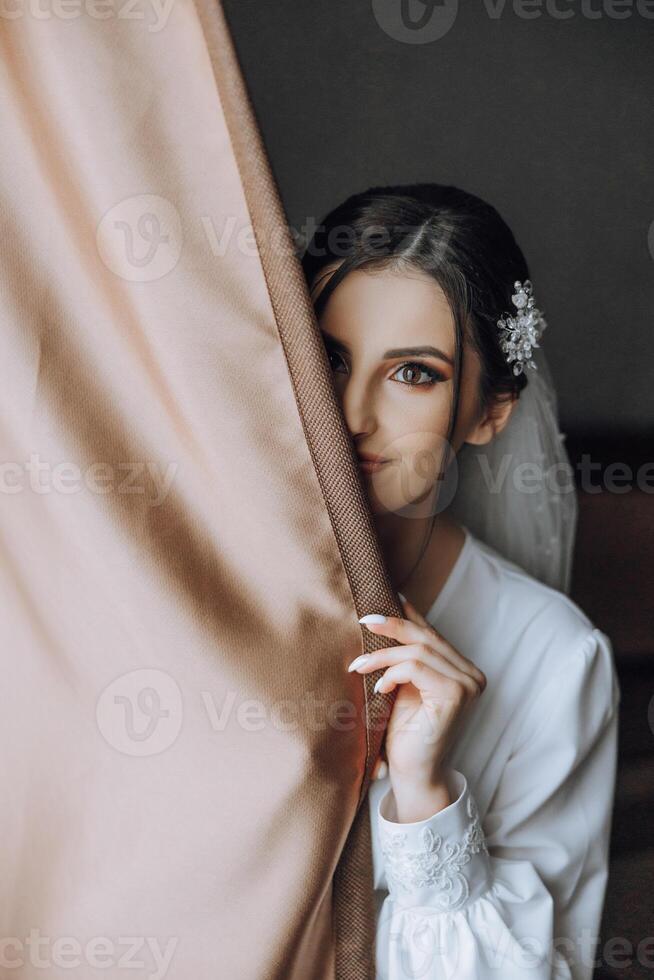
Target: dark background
pixel 549 118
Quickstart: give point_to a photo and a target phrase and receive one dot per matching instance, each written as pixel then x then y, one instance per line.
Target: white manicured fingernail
pixel 382 770
pixel 402 597
pixel 376 687
pixel 373 618
pixel 363 659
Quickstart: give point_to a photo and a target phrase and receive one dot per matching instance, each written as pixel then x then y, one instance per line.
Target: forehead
pixel 384 304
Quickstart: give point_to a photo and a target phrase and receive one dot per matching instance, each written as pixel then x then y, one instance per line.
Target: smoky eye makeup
pixel 433 375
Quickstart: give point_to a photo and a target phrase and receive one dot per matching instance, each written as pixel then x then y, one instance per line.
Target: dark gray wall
pixel 549 119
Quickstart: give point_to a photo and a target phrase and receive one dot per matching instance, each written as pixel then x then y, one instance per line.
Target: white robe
pixel 509 880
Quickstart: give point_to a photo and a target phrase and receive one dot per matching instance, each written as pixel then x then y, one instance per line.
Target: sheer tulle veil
pixel 517 493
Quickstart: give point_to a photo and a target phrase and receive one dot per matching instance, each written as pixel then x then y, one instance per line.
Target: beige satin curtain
pixel 185 544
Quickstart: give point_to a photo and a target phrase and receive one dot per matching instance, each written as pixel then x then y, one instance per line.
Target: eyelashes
pixel 434 376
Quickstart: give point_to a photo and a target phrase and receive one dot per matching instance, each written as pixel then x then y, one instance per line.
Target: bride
pixel 491 814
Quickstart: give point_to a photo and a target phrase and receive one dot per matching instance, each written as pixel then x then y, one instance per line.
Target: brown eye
pixel 332 354
pixel 412 370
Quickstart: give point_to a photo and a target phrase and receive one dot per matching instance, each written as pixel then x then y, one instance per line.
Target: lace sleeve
pixel 444 865
pixel 518 897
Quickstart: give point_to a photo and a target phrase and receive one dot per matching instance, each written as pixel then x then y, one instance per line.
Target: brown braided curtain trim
pixel 335 463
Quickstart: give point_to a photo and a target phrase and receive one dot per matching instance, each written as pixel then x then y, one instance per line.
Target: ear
pixel 492 421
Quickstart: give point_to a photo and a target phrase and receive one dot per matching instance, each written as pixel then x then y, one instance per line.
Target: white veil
pixel 517 493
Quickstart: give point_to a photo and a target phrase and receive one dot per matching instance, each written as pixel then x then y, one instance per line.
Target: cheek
pixel 428 410
pixel 422 457
pixel 420 425
pixel 469 395
pixel 415 432
pixel 416 439
pixel 416 460
pixel 466 420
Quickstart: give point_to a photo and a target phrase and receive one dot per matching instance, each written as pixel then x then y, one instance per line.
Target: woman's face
pixel 390 339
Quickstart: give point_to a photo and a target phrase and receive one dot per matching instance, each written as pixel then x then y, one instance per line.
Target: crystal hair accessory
pixel 521 331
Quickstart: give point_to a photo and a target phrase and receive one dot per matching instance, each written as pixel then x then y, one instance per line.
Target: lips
pixel 370 463
pixel 370 457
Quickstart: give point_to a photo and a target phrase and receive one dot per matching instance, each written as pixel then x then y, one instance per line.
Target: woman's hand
pixel 437 683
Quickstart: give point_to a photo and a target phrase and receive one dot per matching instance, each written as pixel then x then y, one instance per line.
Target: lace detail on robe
pixel 437 864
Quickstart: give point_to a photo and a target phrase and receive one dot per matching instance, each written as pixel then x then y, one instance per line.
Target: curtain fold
pixel 185 541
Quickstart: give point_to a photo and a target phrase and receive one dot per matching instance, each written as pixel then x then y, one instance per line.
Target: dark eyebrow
pixel 425 351
pixel 419 352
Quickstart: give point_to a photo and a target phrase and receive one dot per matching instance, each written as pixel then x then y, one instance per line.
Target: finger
pixel 398 628
pixel 430 683
pixel 382 772
pixel 411 611
pixel 407 632
pixel 380 768
pixel 435 638
pixel 389 656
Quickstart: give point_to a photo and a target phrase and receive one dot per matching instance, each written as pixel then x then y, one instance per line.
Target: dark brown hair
pixel 442 231
pixel 447 233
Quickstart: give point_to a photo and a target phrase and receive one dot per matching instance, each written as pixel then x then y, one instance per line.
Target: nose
pixel 357 404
